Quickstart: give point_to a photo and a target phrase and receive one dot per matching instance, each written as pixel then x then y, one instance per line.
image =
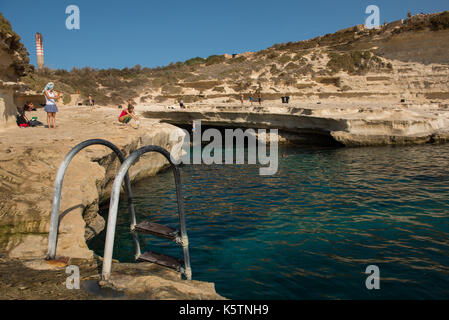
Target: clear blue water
pixel 310 231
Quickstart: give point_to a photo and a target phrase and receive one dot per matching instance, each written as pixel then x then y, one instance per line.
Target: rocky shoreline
pixel 344 123
pixel 46 280
pixel 29 159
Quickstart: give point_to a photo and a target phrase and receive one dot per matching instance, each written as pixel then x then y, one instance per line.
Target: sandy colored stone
pixel 41 279
pixel 29 159
pixel 352 123
pixel 150 281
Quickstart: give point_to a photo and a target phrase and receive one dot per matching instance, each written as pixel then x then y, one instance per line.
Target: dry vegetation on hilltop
pixel 274 70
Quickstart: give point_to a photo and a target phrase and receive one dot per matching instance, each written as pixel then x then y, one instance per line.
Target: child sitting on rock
pixel 127 115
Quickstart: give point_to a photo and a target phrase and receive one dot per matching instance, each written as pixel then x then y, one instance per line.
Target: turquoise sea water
pixel 310 231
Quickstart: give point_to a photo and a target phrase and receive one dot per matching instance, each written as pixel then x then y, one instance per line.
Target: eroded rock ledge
pixel 29 159
pixel 347 123
pixel 43 280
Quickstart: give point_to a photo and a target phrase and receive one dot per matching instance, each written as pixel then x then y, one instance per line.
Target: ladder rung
pixel 162 260
pixel 156 229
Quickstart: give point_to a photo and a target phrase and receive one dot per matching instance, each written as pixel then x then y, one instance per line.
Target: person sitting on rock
pixel 127 115
pixel 29 106
pixel 21 118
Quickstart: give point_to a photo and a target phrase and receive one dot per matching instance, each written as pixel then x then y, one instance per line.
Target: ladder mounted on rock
pixel 147 227
pixel 180 237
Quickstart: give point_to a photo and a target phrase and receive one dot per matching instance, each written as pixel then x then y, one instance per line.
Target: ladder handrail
pixel 113 208
pixel 54 219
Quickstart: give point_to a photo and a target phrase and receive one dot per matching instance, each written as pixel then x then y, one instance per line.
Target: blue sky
pixel 154 33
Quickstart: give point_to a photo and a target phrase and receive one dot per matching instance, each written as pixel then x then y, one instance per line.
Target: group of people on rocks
pixel 52 96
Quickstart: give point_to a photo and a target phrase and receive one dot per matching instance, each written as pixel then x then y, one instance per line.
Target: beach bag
pixel 35 123
pixel 20 119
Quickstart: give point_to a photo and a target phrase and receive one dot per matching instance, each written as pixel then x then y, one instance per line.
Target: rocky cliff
pixel 14 63
pixel 330 123
pixel 29 159
pixel 28 168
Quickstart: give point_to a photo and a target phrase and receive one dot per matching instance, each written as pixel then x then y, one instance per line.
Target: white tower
pixel 39 50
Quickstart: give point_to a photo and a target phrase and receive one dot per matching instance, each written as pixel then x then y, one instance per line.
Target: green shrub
pixel 214 59
pixel 339 62
pixel 440 22
pixel 194 61
pixel 299 56
pixel 291 65
pixel 284 59
pixel 238 59
pixel 352 62
pixel 273 55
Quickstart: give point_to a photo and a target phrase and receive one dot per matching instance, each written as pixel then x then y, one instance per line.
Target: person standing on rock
pixel 251 99
pixel 241 98
pixel 259 96
pixel 50 105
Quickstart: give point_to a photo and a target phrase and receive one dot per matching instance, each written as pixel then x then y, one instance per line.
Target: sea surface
pixel 311 230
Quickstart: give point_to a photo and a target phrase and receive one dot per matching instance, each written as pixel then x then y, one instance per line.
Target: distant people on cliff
pixel 91 101
pixel 127 114
pixel 259 98
pixel 241 98
pixel 50 105
pixel 251 99
pixel 181 104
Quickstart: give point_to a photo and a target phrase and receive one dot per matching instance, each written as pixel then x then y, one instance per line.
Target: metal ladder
pixel 147 227
pixel 180 237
